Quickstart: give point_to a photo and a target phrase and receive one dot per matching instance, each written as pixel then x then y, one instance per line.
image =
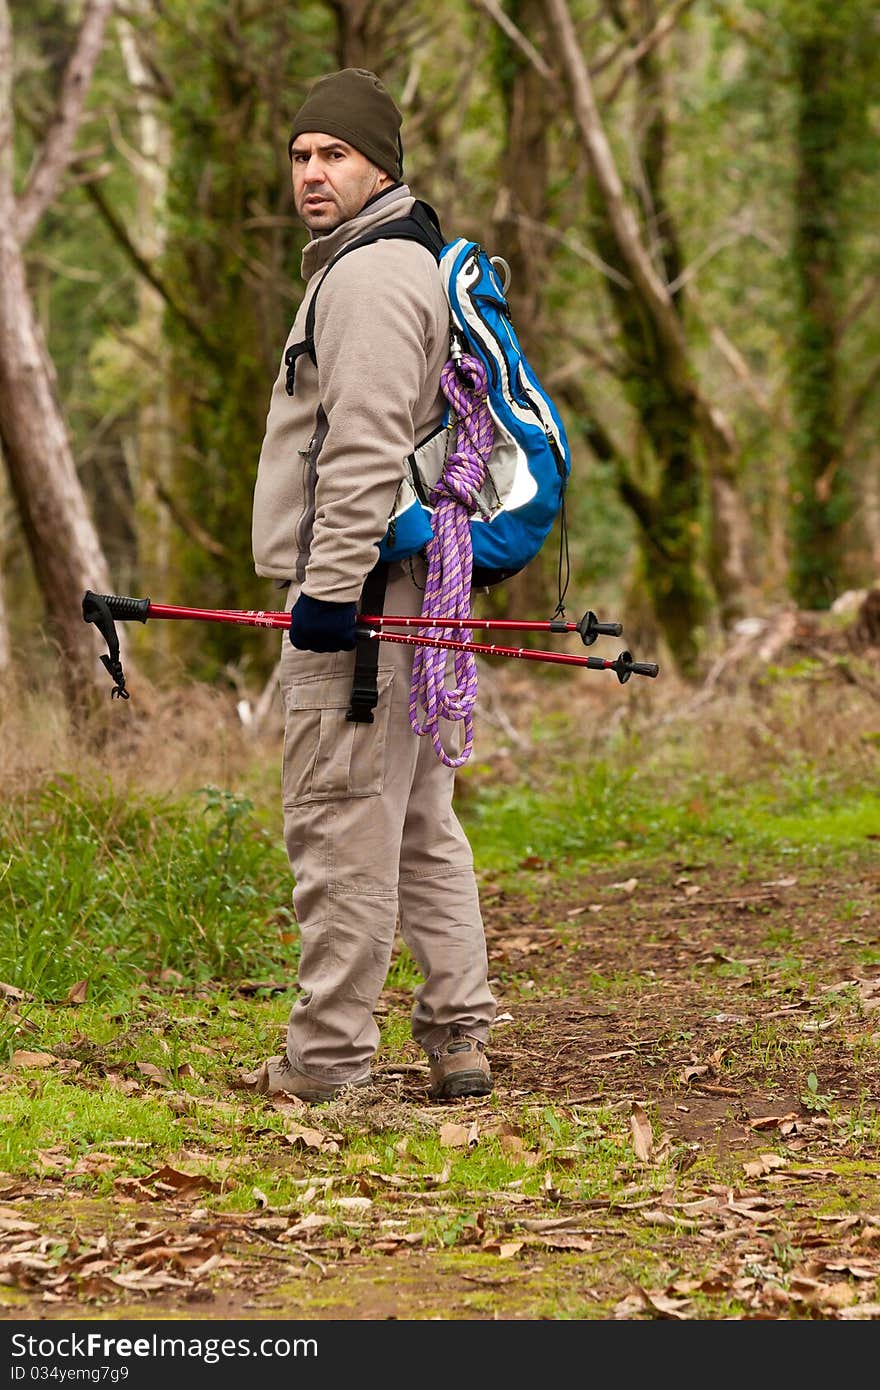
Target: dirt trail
pixel 739 1014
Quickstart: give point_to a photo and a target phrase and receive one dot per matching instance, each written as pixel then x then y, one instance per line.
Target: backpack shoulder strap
pixel 421 225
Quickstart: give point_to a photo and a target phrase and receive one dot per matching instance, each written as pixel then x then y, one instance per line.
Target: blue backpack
pixel 529 466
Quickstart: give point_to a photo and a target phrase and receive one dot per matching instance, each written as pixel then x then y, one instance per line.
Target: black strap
pixel 364 685
pixel 421 225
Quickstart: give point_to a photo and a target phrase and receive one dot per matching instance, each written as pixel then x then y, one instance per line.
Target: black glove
pixel 318 625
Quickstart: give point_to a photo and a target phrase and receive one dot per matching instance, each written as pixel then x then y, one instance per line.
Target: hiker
pixel 369 823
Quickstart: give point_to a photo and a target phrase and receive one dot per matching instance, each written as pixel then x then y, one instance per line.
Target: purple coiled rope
pixel 451 562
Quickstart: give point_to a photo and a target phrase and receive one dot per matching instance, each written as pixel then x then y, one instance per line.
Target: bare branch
pixel 861 398
pixel 664 26
pixel 623 223
pixel 7 195
pixel 57 152
pixel 738 230
pixel 740 367
pixel 143 267
pixel 576 246
pixel 517 37
pixel 859 305
pixel 190 526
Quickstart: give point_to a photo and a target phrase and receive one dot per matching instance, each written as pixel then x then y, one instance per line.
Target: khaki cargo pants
pixel 373 840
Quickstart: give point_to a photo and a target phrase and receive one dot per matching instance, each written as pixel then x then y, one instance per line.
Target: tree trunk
pixel 65 551
pixel 150 446
pixel 681 429
pixel 821 499
pixel 520 210
pixel 362 34
pixel 5 640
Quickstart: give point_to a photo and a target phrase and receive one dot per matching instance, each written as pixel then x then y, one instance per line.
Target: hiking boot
pixel 276 1076
pixel 460 1068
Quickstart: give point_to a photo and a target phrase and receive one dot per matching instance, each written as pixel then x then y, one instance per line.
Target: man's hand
pixel 318 625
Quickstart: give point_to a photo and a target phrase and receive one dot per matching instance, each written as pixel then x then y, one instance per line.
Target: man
pixel 368 819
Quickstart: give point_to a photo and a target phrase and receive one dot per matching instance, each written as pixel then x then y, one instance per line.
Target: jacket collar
pixel 394 202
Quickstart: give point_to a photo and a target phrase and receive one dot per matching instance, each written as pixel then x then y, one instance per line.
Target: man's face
pixel 331 181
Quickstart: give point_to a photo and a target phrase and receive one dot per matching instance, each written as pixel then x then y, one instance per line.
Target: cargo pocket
pixel 326 756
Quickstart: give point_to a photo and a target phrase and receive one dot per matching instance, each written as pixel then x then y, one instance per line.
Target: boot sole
pixel 464 1083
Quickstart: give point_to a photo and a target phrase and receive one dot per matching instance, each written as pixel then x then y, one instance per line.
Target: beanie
pixel 354 106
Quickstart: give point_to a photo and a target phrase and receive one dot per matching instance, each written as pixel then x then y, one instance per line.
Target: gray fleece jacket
pixel 321 504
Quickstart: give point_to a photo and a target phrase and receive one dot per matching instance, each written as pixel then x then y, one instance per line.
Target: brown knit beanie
pixel 353 105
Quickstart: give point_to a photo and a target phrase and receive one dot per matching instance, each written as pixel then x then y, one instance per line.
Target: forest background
pixel 685 194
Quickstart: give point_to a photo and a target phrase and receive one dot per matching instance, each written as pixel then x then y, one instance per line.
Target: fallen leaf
pixel 690 1072
pixel 453 1136
pixel 12 1224
pixel 505 1250
pixel 354 1203
pixel 13 992
pixel 783 1122
pixel 313 1222
pixel 149 1283
pixel 512 1143
pixel 32 1059
pixel 765 1163
pixel 77 993
pixel 667 1307
pixel 627 885
pixel 656 1217
pixel 643 1138
pixel 303 1137
pixel 838 1295
pixel 861 1310
pixel 567 1240
pixel 182 1182
pixel 154 1073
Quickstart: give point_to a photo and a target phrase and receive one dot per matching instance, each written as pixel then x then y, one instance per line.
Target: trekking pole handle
pixel 125 609
pixel 590 628
pixel 625 667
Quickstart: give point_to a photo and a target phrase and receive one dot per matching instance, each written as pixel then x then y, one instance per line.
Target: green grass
pixel 95 1132
pixel 115 887
pixel 111 888
pixel 610 815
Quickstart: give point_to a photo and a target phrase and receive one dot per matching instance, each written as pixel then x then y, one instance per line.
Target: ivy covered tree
pixel 832 50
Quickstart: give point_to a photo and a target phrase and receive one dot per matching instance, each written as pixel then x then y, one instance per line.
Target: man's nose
pixel 314 170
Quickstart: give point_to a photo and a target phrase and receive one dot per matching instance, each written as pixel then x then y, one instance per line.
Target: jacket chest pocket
pixel 327 756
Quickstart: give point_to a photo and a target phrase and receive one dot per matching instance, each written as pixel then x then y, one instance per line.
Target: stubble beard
pixel 336 210
pixel 324 219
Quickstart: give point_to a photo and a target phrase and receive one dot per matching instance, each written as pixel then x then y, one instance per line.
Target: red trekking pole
pixel 105 609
